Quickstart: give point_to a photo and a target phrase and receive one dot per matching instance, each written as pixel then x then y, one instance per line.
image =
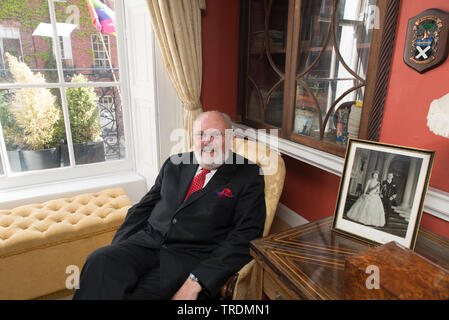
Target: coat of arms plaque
pixel 427 42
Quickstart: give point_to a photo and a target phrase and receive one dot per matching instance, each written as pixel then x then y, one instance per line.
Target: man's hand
pixel 188 291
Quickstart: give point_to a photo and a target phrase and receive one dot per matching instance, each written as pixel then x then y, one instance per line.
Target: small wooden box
pixel 392 271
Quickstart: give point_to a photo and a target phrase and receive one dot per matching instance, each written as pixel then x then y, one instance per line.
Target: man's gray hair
pixel 226 118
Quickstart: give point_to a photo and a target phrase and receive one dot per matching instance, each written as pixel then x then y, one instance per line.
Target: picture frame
pixel 387 207
pixel 303 122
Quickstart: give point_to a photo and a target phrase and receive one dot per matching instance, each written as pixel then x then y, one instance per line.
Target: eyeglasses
pixel 207 135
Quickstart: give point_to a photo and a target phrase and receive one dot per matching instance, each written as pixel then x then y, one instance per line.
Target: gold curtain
pixel 177 25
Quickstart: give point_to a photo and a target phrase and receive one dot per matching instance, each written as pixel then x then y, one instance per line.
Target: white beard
pixel 208 161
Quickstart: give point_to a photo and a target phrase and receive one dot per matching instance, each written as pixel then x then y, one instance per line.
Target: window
pixel 101 51
pixel 9 42
pixel 56 111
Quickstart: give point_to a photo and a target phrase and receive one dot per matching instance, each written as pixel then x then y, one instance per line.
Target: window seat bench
pixel 41 243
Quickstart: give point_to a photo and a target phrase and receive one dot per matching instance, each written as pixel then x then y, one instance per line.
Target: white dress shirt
pixel 208 176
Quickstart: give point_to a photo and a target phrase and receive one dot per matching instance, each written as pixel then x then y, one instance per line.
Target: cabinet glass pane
pixel 333 52
pixel 266 61
pixel 273 111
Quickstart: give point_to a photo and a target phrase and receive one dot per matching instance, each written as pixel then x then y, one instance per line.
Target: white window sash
pixel 11 180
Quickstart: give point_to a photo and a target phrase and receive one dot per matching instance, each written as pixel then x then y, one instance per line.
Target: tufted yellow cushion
pixel 38 225
pixel 38 241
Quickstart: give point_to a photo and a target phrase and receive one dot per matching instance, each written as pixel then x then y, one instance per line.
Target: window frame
pixel 13 180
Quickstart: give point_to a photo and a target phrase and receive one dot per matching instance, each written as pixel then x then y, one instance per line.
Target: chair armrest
pixel 227 290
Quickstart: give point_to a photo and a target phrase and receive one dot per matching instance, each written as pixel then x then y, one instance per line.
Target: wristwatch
pixel 194 278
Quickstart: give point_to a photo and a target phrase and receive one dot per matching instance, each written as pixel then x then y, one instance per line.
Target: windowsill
pixel 133 183
pixel 317 158
pixel 436 201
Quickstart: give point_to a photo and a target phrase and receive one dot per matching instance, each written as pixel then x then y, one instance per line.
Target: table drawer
pixel 275 290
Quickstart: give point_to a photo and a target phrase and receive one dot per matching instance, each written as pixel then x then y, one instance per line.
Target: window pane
pixel 26 34
pixel 89 55
pixel 96 122
pixel 33 127
pixel 1 166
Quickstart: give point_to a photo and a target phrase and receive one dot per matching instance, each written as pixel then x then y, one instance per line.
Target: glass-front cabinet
pixel 316 69
pixel 266 61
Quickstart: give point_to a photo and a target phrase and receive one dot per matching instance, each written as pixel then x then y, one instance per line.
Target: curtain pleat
pixel 177 26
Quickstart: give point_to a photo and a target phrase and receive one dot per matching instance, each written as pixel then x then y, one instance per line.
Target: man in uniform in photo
pixel 388 195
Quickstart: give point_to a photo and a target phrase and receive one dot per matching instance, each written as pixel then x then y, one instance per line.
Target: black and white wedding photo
pixel 382 189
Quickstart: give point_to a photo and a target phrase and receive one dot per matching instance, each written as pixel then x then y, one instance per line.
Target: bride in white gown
pixel 368 209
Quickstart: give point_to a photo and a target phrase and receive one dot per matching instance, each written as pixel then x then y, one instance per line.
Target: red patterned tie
pixel 197 182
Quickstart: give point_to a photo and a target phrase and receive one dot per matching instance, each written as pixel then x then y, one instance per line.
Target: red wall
pixel 220 34
pixel 308 190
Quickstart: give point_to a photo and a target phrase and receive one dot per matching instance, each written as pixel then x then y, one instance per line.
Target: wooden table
pixel 307 262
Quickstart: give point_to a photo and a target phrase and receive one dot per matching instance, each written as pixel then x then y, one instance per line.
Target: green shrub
pixel 83 110
pixel 12 133
pixel 34 109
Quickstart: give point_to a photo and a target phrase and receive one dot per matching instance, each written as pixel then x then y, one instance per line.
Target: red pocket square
pixel 226 193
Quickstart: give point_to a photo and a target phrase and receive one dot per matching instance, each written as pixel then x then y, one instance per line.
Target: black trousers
pixel 126 270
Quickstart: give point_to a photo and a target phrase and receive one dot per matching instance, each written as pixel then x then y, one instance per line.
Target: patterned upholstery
pixel 273 166
pixel 65 230
pixel 274 173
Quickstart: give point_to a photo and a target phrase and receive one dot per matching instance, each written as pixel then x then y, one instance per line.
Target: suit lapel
pixel 221 177
pixel 185 178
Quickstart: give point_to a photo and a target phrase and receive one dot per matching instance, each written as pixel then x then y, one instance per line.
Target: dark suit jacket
pixel 208 234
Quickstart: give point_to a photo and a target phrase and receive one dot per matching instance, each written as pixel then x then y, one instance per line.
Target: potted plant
pixel 11 132
pixel 85 124
pixel 33 116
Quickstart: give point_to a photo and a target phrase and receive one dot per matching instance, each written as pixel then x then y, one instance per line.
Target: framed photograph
pixel 382 191
pixel 303 122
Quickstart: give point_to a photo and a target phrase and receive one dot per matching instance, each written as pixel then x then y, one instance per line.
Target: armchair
pixel 242 285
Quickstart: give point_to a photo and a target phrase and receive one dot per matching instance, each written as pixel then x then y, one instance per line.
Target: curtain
pixel 177 25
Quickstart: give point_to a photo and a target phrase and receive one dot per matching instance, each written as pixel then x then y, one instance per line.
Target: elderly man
pixel 190 232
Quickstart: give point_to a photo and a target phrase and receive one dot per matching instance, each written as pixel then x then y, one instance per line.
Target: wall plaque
pixel 426 45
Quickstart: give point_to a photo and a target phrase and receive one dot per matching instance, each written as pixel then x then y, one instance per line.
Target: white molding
pixel 314 157
pixel 289 216
pixel 436 201
pixel 144 120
